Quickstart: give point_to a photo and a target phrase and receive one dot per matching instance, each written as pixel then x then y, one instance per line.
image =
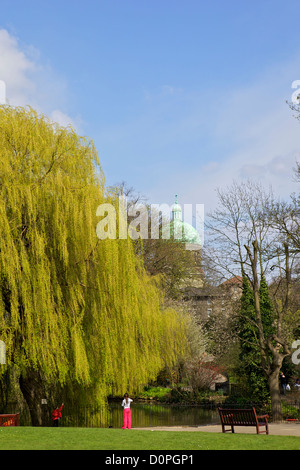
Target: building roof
pixel 233 281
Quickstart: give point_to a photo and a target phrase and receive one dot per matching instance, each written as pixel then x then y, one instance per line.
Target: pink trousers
pixel 127 418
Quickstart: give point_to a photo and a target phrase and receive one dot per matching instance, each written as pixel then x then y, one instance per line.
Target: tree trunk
pixel 33 391
pixel 275 395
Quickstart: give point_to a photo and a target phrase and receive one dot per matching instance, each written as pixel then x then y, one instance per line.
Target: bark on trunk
pixel 275 396
pixel 33 390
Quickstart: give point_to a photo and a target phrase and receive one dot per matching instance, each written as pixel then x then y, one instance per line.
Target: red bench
pixel 9 420
pixel 238 417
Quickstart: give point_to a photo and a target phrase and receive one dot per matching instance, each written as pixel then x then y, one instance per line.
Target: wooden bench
pixel 245 417
pixel 9 420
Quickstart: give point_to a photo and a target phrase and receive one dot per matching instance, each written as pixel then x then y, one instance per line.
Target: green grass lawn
pixel 31 438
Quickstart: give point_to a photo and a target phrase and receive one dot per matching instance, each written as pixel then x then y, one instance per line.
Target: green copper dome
pixel 180 230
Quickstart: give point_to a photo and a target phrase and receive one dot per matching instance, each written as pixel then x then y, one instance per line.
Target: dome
pixel 180 230
pixel 185 232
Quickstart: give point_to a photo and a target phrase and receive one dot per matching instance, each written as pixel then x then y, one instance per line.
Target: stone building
pixel 209 300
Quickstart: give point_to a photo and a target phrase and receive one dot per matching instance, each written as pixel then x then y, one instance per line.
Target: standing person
pixel 283 382
pixel 127 412
pixel 56 415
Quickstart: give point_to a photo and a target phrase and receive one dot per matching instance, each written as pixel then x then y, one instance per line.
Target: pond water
pixel 164 415
pixel 143 415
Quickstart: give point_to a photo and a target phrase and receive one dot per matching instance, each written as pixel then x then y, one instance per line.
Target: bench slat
pixel 242 417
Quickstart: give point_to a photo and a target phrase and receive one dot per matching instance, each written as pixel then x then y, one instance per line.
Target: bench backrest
pixel 238 417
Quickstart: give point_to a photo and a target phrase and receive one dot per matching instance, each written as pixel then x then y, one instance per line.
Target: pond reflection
pixel 147 415
pixel 143 415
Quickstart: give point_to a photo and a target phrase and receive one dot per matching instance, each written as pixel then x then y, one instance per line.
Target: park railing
pixel 153 414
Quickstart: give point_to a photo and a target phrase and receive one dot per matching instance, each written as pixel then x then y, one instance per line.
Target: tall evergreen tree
pixel 266 309
pixel 250 370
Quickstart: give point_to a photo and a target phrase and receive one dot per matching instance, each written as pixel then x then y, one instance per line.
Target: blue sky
pixel 178 96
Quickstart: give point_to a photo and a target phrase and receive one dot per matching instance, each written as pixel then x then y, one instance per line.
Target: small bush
pixel 158 393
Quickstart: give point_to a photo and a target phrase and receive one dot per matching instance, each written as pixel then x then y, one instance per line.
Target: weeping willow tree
pixel 75 311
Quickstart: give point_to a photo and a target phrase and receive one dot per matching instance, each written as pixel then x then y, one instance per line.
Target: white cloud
pixel 15 69
pixel 252 134
pixel 62 118
pixel 29 82
pixel 277 167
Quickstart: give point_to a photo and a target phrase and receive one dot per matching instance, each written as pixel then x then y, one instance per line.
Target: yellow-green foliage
pixel 72 306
